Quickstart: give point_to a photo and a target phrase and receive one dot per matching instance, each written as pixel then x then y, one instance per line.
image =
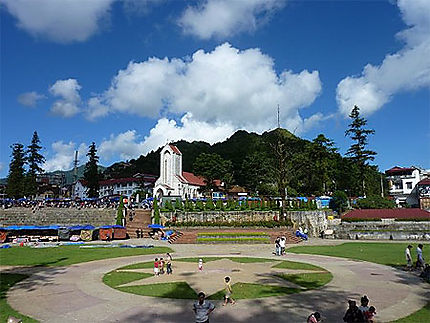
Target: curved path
pixel 77 293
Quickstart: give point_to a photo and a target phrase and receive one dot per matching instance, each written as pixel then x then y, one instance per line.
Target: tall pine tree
pixel 34 160
pixel 91 174
pixel 16 176
pixel 358 152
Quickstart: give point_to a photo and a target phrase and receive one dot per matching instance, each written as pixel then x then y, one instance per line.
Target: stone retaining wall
pixel 314 221
pixel 56 216
pixel 379 230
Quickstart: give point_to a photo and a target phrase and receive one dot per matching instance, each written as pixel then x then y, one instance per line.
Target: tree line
pixel 276 163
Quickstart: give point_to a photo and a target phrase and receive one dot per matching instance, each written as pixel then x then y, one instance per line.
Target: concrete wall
pixel 379 230
pixel 60 216
pixel 314 221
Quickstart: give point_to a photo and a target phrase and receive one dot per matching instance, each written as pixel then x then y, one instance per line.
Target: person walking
pixel 408 257
pixel 202 308
pixel 169 263
pixel 420 258
pixel 228 292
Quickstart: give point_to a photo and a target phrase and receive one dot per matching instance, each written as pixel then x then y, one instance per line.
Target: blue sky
pixel 133 75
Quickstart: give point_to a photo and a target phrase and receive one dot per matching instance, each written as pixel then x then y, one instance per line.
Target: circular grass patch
pixel 314 277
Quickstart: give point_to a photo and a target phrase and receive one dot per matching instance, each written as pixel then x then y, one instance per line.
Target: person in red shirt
pixel 156 269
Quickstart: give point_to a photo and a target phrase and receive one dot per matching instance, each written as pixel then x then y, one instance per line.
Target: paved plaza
pixel 77 293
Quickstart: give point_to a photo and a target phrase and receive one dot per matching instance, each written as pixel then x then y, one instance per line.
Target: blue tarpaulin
pixel 112 226
pixel 155 226
pixel 81 227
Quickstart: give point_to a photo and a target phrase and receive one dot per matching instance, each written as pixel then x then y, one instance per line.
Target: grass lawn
pixel 247 290
pixel 391 254
pixel 166 290
pixel 236 259
pixel 68 255
pixel 7 281
pixel 286 264
pixel 308 280
pixel 423 315
pixel 117 278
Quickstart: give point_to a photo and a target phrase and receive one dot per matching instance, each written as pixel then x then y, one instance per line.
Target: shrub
pixel 339 202
pixel 375 202
pixel 209 205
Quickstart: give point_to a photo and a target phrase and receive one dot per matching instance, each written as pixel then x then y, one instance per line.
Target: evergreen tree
pixel 322 152
pixel 91 174
pixel 156 212
pixel 212 167
pixel 15 178
pixel 358 152
pixel 120 212
pixel 34 160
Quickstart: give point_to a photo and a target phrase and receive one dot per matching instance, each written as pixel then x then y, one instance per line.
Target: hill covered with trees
pixel 310 167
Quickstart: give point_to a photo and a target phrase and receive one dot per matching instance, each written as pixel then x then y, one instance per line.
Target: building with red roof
pixel 399 214
pixel 402 183
pixel 173 181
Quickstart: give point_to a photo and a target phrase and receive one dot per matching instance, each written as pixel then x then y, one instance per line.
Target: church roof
pixel 190 178
pixel 175 149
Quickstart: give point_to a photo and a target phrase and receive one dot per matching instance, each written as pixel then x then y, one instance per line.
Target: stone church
pixel 173 181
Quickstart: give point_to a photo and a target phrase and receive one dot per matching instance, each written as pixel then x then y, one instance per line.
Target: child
pixel 228 291
pixel 370 314
pixel 161 266
pixel 156 269
pixel 200 264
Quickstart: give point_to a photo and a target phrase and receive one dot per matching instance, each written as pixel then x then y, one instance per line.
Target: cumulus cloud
pixel 225 86
pixel 408 69
pixel 63 155
pixel 224 18
pixel 130 144
pixel 29 99
pixel 68 91
pixel 60 21
pixel 96 109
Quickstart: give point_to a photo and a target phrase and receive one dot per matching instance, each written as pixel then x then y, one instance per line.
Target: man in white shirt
pixel 408 257
pixel 282 245
pixel 420 258
pixel 203 309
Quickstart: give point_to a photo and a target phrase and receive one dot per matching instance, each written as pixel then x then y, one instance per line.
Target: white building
pixel 173 181
pixel 120 186
pixel 402 184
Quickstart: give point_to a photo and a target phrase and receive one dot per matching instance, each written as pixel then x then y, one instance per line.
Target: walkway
pixel 77 293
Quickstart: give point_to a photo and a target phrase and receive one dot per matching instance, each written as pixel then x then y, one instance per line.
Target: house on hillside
pixel 173 181
pixel 118 186
pixel 402 183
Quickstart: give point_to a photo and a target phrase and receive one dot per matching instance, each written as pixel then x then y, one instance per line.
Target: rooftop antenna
pixel 279 124
pixel 75 167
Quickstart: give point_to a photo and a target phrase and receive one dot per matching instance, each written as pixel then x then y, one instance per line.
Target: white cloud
pixel 408 69
pixel 130 145
pixel 96 109
pixel 63 156
pixel 224 18
pixel 29 99
pixel 68 91
pixel 60 21
pixel 225 86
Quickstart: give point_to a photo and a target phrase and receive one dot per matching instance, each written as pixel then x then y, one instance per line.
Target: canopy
pixel 155 226
pixel 31 227
pixel 81 227
pixel 112 226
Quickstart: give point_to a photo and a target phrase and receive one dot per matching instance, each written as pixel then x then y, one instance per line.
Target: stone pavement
pixel 77 293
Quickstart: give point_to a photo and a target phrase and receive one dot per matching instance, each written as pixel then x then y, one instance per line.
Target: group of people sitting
pixel 354 314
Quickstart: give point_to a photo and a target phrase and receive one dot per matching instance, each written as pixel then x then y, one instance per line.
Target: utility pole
pixel 382 187
pixel 279 124
pixel 75 167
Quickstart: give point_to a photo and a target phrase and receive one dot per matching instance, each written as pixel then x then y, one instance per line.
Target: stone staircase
pixel 141 219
